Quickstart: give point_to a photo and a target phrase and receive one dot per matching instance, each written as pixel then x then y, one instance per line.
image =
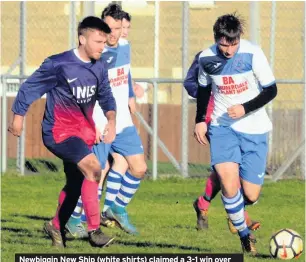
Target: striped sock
pixel 235 210
pixel 83 217
pixel 100 192
pixel 112 187
pixel 129 187
pixel 77 212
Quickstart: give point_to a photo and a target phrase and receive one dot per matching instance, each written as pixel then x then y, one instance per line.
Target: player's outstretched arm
pixel 39 83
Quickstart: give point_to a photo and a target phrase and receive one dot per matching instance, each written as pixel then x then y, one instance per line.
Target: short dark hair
pixel 126 16
pixel 92 22
pixel 112 10
pixel 229 26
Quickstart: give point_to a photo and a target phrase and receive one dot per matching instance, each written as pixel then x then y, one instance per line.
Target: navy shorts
pixel 71 150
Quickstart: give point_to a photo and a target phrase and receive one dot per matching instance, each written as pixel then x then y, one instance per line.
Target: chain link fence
pixel 164 37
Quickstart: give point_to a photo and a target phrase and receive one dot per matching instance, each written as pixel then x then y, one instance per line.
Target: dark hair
pixel 126 16
pixel 92 22
pixel 112 10
pixel 229 26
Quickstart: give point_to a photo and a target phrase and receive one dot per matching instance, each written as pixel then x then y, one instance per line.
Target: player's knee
pixel 139 170
pixel 250 199
pixel 94 173
pixel 97 173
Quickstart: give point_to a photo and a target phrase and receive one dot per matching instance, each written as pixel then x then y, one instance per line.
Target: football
pixel 286 244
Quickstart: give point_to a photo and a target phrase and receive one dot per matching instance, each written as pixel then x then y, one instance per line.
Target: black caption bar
pixel 128 258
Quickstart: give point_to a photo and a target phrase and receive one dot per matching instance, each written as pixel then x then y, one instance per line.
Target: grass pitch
pixel 162 211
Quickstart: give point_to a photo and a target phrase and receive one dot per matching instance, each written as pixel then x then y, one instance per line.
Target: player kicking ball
pixel 122 184
pixel 73 81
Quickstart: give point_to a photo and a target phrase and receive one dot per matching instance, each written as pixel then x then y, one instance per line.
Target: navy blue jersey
pixel 191 80
pixel 191 85
pixel 72 88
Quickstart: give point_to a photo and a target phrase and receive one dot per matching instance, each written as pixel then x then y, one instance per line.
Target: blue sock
pixel 75 218
pixel 99 193
pixel 235 210
pixel 112 187
pixel 129 187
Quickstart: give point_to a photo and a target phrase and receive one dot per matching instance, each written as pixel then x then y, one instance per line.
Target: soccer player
pixel 127 142
pixel 202 203
pixel 121 184
pixel 73 81
pixel 126 26
pixel 241 81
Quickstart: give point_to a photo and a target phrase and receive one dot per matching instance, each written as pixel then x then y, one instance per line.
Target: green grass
pixel 162 211
pixel 163 168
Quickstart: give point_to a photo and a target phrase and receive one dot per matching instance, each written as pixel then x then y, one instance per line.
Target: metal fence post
pixel 155 130
pixel 155 92
pixel 21 140
pixel 4 128
pixel 272 56
pixel 185 108
pixel 254 22
pixel 88 8
pixel 72 25
pixel 303 161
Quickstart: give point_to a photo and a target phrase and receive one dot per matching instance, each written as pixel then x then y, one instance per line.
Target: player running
pixel 241 81
pixel 202 203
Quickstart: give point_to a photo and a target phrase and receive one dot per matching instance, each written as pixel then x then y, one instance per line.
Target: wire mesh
pixel 48 31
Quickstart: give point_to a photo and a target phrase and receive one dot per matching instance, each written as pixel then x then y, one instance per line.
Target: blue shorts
pixel 126 143
pixel 71 150
pixel 248 150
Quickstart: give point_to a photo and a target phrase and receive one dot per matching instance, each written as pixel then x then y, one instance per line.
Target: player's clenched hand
pixel 98 136
pixel 16 126
pixel 236 111
pixel 109 133
pixel 200 130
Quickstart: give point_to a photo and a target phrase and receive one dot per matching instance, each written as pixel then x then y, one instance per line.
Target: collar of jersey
pixel 75 53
